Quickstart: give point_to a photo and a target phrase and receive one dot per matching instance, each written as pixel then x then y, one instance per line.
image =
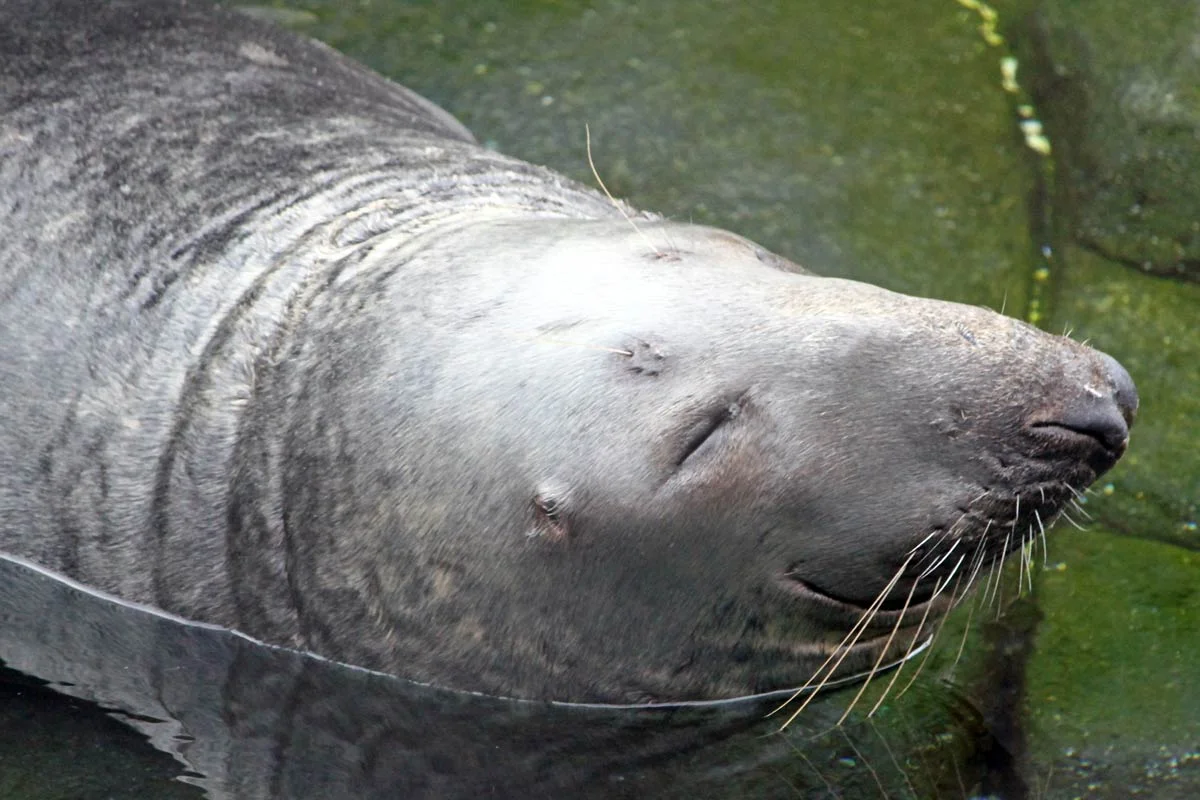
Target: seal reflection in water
pixel 283 349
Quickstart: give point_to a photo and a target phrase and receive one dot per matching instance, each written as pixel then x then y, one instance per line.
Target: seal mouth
pixel 897 606
pixel 873 636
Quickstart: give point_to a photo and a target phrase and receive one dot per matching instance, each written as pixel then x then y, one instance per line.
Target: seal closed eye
pixel 702 432
pixel 327 372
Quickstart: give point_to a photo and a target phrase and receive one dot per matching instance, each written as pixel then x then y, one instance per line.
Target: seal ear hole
pixel 550 514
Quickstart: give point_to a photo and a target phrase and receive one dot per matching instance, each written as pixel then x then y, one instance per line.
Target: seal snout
pixel 1095 420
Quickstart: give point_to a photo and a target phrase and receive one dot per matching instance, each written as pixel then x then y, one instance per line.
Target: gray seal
pixel 284 350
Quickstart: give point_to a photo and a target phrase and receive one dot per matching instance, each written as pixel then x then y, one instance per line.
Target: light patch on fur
pixel 253 51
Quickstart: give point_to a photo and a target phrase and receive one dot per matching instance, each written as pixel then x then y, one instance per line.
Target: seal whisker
pixel 986 595
pixel 940 561
pixel 987 587
pixel 932 551
pixel 843 648
pixel 1045 549
pixel 1019 553
pixel 977 559
pixel 1027 547
pixel 953 571
pixel 883 651
pixel 976 565
pixel 937 588
pixel 1075 504
pixel 954 599
pixel 998 600
pixel 1067 517
pixel 996 564
pixel 1007 551
pixel 954 531
pixel 1032 548
pixel 587 132
pixel 921 543
pixel 962 643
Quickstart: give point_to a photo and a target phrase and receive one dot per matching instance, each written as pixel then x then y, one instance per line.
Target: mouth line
pixel 883 615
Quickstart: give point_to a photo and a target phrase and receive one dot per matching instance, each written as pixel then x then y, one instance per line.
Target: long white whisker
pixel 976 562
pixel 953 571
pixel 1045 549
pixel 1000 561
pixel 1067 517
pixel 882 654
pixel 962 643
pixel 1021 564
pixel 939 562
pixel 1027 555
pixel 946 581
pixel 988 589
pixel 937 588
pixel 844 648
pixel 932 550
pixel 919 544
pixel 929 650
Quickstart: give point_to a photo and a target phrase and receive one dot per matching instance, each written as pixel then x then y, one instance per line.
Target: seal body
pixel 283 349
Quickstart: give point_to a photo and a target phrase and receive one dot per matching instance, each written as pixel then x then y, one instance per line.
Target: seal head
pixel 574 460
